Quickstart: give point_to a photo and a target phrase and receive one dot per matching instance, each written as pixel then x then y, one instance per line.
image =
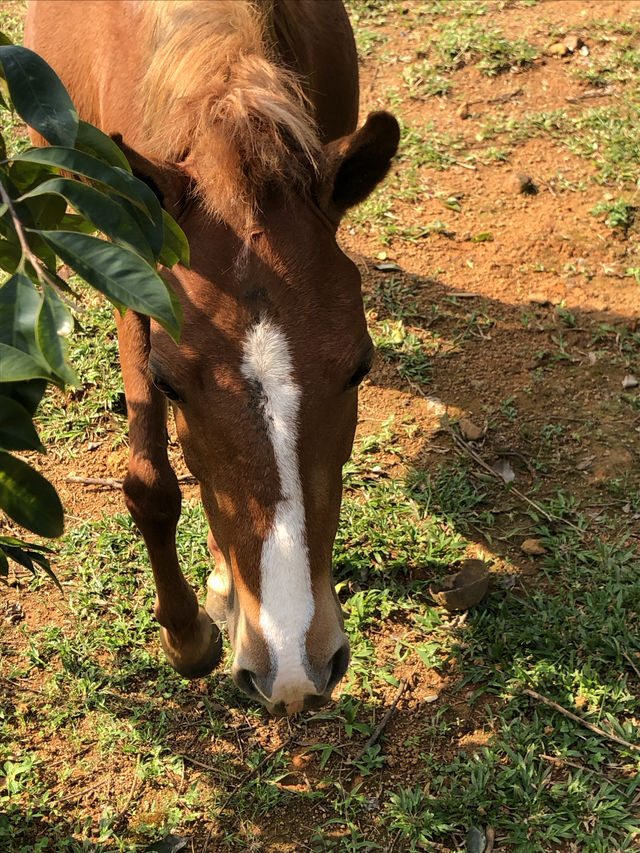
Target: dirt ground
pixel 529 301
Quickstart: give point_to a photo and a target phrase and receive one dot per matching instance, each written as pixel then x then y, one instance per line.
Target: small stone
pixel 573 43
pixel 521 184
pixel 557 49
pixel 469 430
pixel 629 381
pixel 533 547
pixel 430 698
pixel 463 111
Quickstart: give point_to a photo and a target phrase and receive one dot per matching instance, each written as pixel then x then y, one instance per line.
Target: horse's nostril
pixel 338 666
pixel 245 679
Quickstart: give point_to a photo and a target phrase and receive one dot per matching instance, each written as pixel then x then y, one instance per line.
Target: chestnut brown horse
pixel 242 117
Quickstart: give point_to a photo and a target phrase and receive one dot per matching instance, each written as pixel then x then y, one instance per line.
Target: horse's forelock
pixel 213 90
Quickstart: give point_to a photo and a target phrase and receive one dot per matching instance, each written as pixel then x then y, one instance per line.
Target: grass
pixel 103 748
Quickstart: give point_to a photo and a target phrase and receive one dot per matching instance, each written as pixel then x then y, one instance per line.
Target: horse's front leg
pixel 191 641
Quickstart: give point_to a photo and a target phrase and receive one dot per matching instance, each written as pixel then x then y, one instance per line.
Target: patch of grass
pixel 488 49
pixel 403 348
pixel 619 214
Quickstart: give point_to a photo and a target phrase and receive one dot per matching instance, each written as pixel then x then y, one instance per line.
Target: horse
pixel 242 117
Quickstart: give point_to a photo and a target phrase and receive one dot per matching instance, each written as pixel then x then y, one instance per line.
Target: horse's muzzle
pixel 292 701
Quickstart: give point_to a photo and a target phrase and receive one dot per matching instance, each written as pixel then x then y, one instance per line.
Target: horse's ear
pixel 168 181
pixel 354 165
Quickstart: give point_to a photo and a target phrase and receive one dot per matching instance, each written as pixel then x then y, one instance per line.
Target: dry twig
pixel 383 722
pixel 486 467
pixel 116 482
pixel 247 776
pixel 134 785
pixel 632 664
pixel 577 719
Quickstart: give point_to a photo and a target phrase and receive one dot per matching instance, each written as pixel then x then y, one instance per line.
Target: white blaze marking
pixel 287 603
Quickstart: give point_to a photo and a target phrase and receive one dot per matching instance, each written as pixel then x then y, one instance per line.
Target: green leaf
pixel 176 245
pixel 26 175
pixel 54 321
pixel 19 308
pixel 107 215
pixel 10 256
pixel 38 95
pixel 4 564
pixel 90 167
pixel 14 542
pixel 26 554
pixel 73 222
pixel 28 394
pixel 29 499
pixel 153 231
pixel 47 210
pixel 17 431
pixel 98 144
pixel 122 276
pixel 18 366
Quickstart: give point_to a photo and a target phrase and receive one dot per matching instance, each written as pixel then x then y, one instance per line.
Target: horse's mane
pixel 214 89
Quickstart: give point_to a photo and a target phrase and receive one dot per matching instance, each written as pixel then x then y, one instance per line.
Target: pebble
pixel 558 49
pixel 463 111
pixel 629 381
pixel 573 43
pixel 521 184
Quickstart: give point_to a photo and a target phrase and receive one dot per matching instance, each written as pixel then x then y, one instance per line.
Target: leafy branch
pixel 54 199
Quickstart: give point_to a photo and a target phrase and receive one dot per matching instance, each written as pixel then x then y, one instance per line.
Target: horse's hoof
pixel 199 657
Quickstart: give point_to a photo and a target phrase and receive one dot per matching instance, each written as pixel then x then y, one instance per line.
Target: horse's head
pixel 264 390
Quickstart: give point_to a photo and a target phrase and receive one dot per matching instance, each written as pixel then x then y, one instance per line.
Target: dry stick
pixel 107 482
pixel 502 99
pixel 123 811
pixel 252 773
pixel 578 719
pixel 633 666
pixel 12 683
pixel 564 761
pixel 76 795
pixel 485 465
pixel 196 762
pixel 116 482
pixel 383 722
pixel 206 841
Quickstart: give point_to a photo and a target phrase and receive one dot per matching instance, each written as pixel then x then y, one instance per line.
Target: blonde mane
pixel 214 90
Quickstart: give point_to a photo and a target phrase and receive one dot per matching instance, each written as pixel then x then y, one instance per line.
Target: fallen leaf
pixel 476 840
pixel 469 430
pixel 170 844
pixel 504 468
pixel 585 463
pixel 389 267
pixel 533 547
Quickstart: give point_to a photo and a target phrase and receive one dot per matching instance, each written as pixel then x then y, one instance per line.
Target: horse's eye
pixel 166 389
pixel 359 375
